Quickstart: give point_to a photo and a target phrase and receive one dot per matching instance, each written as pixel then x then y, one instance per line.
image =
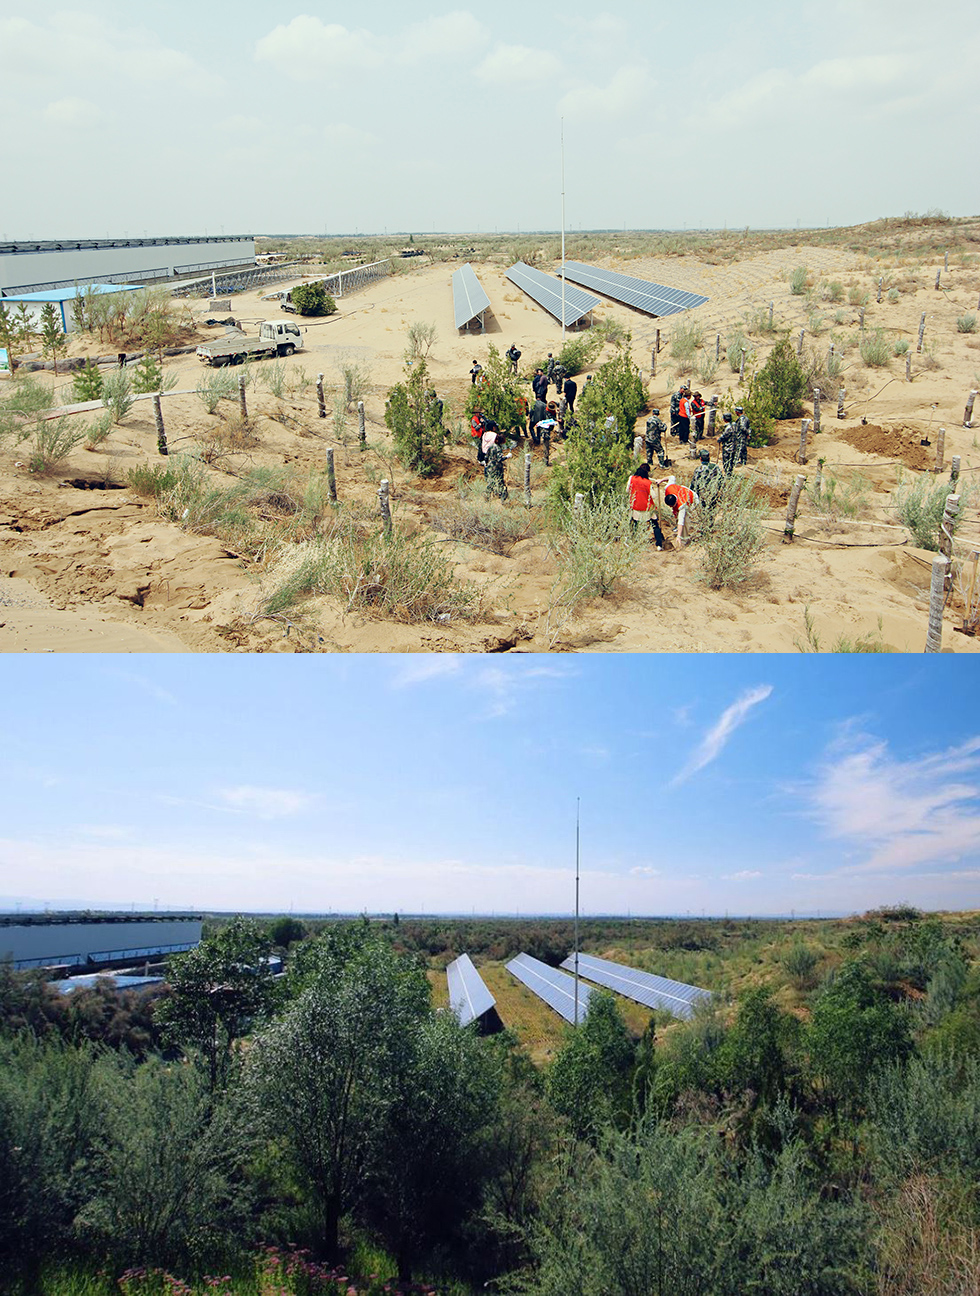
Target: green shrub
pixel 484 524
pixel 216 385
pixel 148 374
pixel 780 385
pixel 900 346
pixel 313 299
pixel 598 464
pixel 154 481
pixel 52 443
pixel 893 295
pixel 967 323
pixel 835 291
pixel 841 500
pixel 729 536
pixel 87 382
pixel 421 338
pixel 578 352
pixel 797 281
pixel 817 324
pixel 685 338
pixel 356 376
pixel 735 344
pixel 857 296
pixel 921 503
pixel 800 963
pixel 706 367
pixel 117 394
pixel 876 351
pixel 595 548
pixel 497 393
pixel 414 423
pixel 98 430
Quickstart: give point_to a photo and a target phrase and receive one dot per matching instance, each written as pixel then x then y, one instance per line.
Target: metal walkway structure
pixel 469 998
pixel 554 987
pixel 470 302
pixel 546 290
pixel 643 987
pixel 643 295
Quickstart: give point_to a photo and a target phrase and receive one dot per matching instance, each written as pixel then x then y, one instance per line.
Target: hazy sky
pixel 178 117
pixel 740 783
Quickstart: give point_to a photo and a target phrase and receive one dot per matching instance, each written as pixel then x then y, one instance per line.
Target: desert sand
pixel 86 564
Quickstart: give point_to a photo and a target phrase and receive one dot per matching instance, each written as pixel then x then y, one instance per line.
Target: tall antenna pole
pixel 563 290
pixel 576 904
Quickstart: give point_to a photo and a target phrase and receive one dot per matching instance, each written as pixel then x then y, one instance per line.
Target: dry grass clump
pixel 484 525
pixel 52 443
pixel 876 350
pixel 838 499
pixel 595 549
pixel 729 536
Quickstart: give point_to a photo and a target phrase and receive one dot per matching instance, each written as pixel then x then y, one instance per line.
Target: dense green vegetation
pixel 815 1129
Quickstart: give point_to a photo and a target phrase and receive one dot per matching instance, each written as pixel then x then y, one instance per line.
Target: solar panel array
pixel 643 987
pixel 546 291
pixel 554 987
pixel 469 998
pixel 653 298
pixel 469 299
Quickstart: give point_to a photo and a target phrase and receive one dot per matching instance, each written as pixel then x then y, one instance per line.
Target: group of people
pixel 704 490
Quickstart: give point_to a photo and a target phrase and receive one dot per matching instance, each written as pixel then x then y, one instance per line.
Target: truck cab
pixel 286 337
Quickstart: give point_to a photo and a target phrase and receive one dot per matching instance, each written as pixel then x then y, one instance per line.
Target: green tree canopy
pixel 589 1081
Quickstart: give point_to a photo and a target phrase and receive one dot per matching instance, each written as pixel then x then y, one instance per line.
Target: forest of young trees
pixel 815 1129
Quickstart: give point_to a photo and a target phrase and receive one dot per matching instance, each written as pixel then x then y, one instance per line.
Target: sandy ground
pixel 86 564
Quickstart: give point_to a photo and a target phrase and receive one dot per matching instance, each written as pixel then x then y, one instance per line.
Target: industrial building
pixel 59 940
pixel 62 299
pixel 27 267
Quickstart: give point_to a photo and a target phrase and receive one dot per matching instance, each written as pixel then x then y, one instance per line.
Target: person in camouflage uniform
pixel 493 468
pixel 656 428
pixel 707 481
pixel 558 377
pixel 726 439
pixel 742 431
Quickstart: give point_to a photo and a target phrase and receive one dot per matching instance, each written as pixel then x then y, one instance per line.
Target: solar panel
pixel 643 987
pixel 469 998
pixel 554 987
pixel 653 298
pixel 546 291
pixel 469 299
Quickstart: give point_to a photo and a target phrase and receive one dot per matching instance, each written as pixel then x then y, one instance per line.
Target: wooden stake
pixel 717 346
pixel 880 281
pixel 934 635
pixel 361 430
pixel 908 366
pixel 968 412
pixel 945 260
pixel 816 409
pixel 940 447
pixel 712 413
pixel 954 470
pixel 578 505
pixel 794 501
pixel 639 446
pixel 922 329
pixel 840 402
pixel 946 528
pixel 938 273
pixel 658 342
pixel 770 316
pixel 331 477
pixel 161 430
pixel 385 506
pixel 546 443
pixel 241 397
pixel 818 480
pixel 527 479
pixel 319 396
pixel 861 319
pixel 801 453
pixel 799 345
pixel 653 364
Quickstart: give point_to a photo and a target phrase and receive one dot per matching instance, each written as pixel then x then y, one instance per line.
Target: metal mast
pixel 563 270
pixel 576 904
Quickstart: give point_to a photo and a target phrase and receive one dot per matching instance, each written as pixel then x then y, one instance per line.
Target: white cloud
pixel 308 49
pixel 863 72
pixel 105 832
pixel 521 65
pixel 645 870
pixel 900 814
pixel 267 803
pixel 450 37
pixel 73 112
pixel 715 740
pixel 628 90
pixel 745 875
pixel 420 670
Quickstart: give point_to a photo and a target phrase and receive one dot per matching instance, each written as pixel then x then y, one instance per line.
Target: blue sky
pixel 719 783
pixel 316 117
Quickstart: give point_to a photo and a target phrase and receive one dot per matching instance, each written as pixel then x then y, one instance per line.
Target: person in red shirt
pixel 641 509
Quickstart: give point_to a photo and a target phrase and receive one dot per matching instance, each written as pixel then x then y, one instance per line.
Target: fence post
pixel 361 431
pixel 319 396
pixel 527 479
pixel 770 316
pixel 241 397
pixel 578 505
pixel 816 409
pixel 162 447
pixel 940 448
pixel 801 453
pixel 717 346
pixel 546 442
pixel 818 480
pixel 794 501
pixel 840 402
pixel 908 366
pixel 658 341
pixel 938 273
pixel 968 412
pixel 922 329
pixel 639 446
pixel 946 536
pixel 331 477
pixel 934 635
pixel 385 506
pixel 945 260
pixel 954 470
pixel 799 345
pixel 653 363
pixel 712 412
pixel 880 281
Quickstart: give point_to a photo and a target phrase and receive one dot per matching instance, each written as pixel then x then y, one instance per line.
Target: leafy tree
pixel 589 1081
pixel 219 991
pixel 53 340
pixel 313 299
pixel 9 333
pixel 497 392
pixel 286 931
pixel 322 1076
pixel 87 382
pixel 413 420
pixel 925 1116
pixel 780 385
pixel 616 389
pixel 148 373
pixel 752 1056
pixel 853 1030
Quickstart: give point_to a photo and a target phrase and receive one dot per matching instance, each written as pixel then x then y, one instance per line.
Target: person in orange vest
pixel 641 504
pixel 697 409
pixel 684 415
pixel 678 498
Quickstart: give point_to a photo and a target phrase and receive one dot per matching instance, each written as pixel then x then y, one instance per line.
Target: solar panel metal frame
pixel 467 291
pixel 642 294
pixel 554 987
pixel 546 291
pixel 643 987
pixel 469 997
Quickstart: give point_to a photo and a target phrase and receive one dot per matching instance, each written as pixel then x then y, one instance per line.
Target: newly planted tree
pixel 415 424
pixel 53 340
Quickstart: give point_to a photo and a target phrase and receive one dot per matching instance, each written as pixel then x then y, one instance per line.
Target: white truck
pixel 275 338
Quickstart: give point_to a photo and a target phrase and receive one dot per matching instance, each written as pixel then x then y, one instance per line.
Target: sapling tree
pixel 589 1081
pixel 148 374
pixel 53 340
pixel 414 422
pixel 87 382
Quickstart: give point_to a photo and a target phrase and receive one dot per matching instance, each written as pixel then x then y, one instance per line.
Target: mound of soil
pixel 900 443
